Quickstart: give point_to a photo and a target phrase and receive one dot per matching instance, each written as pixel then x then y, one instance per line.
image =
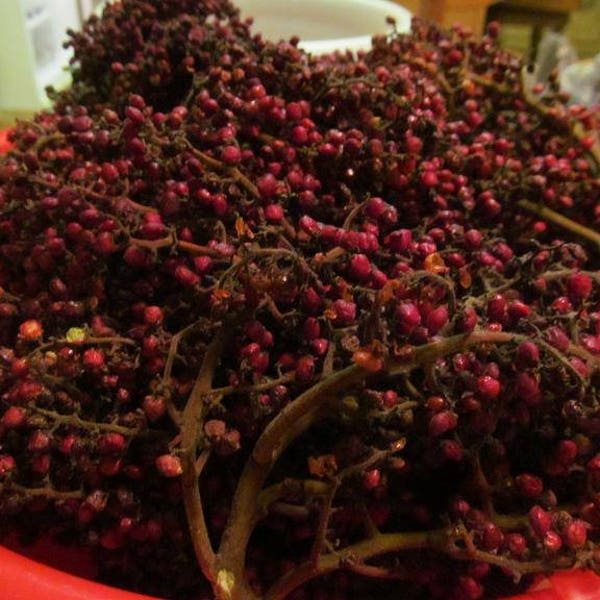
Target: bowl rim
pixel 385 8
pixel 22 578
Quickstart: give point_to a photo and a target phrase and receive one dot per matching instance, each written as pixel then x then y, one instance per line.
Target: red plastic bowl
pixel 5 145
pixel 23 578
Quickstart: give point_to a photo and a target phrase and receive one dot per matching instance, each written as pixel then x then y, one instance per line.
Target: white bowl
pixel 324 25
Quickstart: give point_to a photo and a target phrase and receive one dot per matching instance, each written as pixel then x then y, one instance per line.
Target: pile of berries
pixel 277 326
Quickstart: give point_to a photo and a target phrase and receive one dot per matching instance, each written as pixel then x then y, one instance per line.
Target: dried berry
pixel 169 466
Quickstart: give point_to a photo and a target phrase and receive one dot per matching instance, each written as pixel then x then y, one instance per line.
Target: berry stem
pixel 43 492
pixel 191 429
pixel 199 250
pixel 271 494
pixel 165 383
pixel 442 540
pixel 296 418
pixel 374 546
pixel 563 222
pixel 256 387
pixel 575 129
pixel 86 341
pixel 213 163
pixel 76 421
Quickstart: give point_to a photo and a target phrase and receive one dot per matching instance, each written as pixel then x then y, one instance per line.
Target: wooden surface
pixel 472 13
pixel 539 15
pixel 546 5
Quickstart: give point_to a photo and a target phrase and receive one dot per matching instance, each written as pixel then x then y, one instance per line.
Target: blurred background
pixel 523 21
pixel 582 29
pixel 32 32
pixel 32 56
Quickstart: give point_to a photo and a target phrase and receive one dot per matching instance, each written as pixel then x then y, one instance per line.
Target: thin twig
pixel 374 546
pixel 321 533
pixel 563 222
pixel 213 163
pixel 174 413
pixel 85 341
pixel 165 242
pixel 442 540
pixel 76 421
pixel 191 428
pixel 297 417
pixel 289 488
pixel 574 127
pixel 352 214
pixel 256 387
pixel 364 570
pixel 484 487
pixel 350 471
pixel 44 492
pixel 200 250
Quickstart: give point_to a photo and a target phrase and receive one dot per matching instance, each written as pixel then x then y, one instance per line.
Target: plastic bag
pixel 581 80
pixel 554 52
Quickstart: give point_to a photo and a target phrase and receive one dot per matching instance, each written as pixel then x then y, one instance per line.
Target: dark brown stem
pixel 217 165
pixel 320 536
pixel 592 360
pixel 561 358
pixel 329 257
pixel 411 388
pixel 296 418
pixel 293 255
pixel 199 250
pixel 375 546
pixel 371 530
pixel 321 533
pixel 252 253
pixel 375 457
pixel 257 387
pixel 329 358
pixel 76 421
pixel 268 448
pixel 291 422
pixel 483 486
pixel 142 208
pixel 165 386
pixel 296 512
pixel 165 242
pixel 287 488
pixel 274 309
pixel 574 128
pixel 91 194
pixel 43 141
pixel 373 572
pixel 561 221
pixel 202 460
pixel 439 540
pixel 86 341
pixel 190 433
pixel 44 492
pixel 352 214
pixel 518 568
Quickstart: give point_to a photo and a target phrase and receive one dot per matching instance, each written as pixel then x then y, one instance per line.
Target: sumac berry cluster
pixel 279 326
